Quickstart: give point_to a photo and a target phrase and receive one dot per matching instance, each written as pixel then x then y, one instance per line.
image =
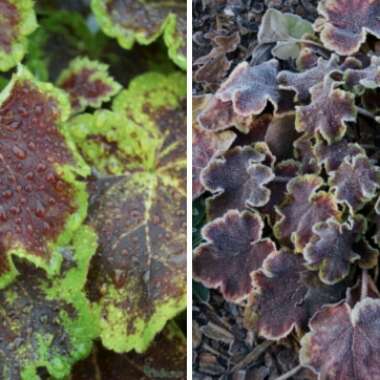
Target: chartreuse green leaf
pixel 41 200
pixel 17 21
pixel 143 21
pixel 88 83
pixel 48 322
pixel 138 277
pixel 165 359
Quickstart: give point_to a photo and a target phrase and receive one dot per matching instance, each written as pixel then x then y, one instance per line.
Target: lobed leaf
pixel 284 171
pixel 376 219
pixel 234 248
pixel 17 21
pixel 165 358
pixel 328 112
pixel 344 24
pixel 143 22
pixel 303 208
pixel 304 151
pixel 355 181
pixel 343 341
pixel 62 36
pixel 332 156
pixel 87 83
pixel 285 30
pixel 138 276
pixel 42 202
pixel 213 66
pixel 206 146
pixel 249 88
pixel 218 116
pixel 367 78
pixel 237 180
pixel 280 308
pixel 307 58
pixel 331 250
pixel 47 322
pixel 303 81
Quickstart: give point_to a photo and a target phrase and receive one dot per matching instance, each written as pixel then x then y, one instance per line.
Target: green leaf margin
pixel 68 173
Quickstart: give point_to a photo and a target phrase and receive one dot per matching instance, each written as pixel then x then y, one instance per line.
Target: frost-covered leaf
pixel 344 342
pixel 165 359
pixel 284 171
pixel 304 151
pixel 376 237
pixel 302 82
pixel 138 276
pixel 367 78
pixel 234 248
pixel 213 66
pixel 218 116
pixel 345 23
pixel 47 322
pixel 307 59
pixel 355 181
pixel 237 181
pixel 206 146
pixel 331 156
pixel 131 21
pixel 303 208
pixel 328 112
pixel 331 250
pixel 42 202
pixel 285 30
pixel 249 88
pixel 17 21
pixel 286 295
pixel 87 83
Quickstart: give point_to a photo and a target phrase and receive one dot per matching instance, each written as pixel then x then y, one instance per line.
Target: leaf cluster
pixel 92 193
pixel 286 161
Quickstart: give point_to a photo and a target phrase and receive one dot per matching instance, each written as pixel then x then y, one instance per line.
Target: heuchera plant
pixel 92 205
pixel 286 159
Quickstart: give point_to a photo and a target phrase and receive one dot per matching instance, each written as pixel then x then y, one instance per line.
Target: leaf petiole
pixel 290 373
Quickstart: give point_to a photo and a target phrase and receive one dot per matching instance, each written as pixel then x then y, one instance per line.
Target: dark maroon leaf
pixel 281 134
pixel 368 78
pixel 303 81
pixel 218 115
pixel 345 23
pixel 331 156
pixel 344 342
pixel 355 181
pixel 286 295
pixel 206 146
pixel 234 249
pixel 249 88
pixel 328 112
pixel 304 151
pixel 303 208
pixel 331 250
pixel 284 171
pixel 237 181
